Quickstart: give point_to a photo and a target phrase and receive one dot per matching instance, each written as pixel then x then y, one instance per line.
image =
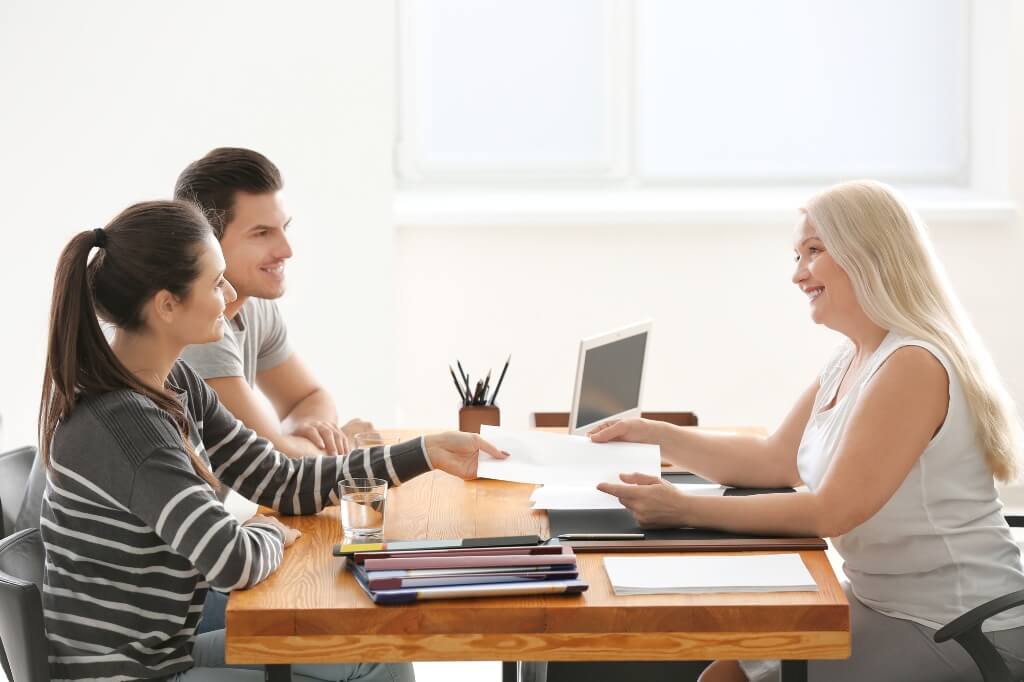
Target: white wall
pixel 103 103
pixel 540 290
pixel 732 338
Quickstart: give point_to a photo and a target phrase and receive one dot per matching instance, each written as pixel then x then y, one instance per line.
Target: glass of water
pixel 369 439
pixel 362 508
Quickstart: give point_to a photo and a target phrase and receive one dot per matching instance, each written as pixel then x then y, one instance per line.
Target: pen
pixel 500 379
pixel 601 536
pixel 478 391
pixel 457 387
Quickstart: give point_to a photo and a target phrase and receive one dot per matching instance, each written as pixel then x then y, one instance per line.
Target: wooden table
pixel 312 611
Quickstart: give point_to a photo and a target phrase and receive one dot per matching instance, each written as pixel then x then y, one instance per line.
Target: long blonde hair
pixel 902 286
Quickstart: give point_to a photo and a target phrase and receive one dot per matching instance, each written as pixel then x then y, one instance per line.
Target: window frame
pixel 614 194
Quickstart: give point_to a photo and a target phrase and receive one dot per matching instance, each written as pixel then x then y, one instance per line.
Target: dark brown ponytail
pixel 149 247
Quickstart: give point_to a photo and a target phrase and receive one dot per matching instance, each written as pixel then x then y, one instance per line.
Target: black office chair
pixel 14 470
pixel 23 653
pixel 31 504
pixel 966 629
pixel 24 650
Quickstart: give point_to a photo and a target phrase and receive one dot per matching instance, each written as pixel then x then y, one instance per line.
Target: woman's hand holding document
pixel 539 457
pixel 654 502
pixel 574 470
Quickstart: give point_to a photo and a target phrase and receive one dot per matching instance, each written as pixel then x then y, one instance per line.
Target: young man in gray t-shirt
pixel 241 192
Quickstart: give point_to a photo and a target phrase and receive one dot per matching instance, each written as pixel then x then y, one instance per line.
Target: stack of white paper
pixel 723 573
pixel 539 457
pixel 556 496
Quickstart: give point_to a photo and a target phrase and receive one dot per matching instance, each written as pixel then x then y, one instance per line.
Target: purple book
pixel 395 580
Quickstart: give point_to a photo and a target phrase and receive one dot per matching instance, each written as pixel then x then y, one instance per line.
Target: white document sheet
pixel 721 573
pixel 539 457
pixel 556 496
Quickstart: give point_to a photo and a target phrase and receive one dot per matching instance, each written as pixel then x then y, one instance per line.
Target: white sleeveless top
pixel 940 546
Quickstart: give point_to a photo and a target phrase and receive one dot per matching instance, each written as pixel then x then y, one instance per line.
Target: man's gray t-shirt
pixel 255 340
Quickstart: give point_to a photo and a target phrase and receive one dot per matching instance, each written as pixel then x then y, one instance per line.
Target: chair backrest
pixel 22 633
pixel 561 419
pixel 14 469
pixel 31 505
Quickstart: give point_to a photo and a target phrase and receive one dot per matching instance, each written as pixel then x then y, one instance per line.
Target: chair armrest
pixel 976 616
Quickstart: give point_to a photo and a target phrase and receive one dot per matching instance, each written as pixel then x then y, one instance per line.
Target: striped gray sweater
pixel 134 537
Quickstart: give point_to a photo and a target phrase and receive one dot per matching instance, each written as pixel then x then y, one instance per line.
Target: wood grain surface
pixel 312 610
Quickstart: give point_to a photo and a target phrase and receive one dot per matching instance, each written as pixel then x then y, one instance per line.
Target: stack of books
pixel 401 577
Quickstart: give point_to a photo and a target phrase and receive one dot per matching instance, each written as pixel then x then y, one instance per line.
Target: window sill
pixel 473 206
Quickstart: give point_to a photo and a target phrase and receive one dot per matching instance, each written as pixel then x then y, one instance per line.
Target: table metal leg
pixel 794 671
pixel 277 673
pixel 510 671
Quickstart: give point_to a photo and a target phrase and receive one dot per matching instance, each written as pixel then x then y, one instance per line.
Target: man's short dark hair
pixel 212 182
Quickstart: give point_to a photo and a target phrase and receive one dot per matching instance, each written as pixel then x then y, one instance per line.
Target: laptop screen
pixel 611 379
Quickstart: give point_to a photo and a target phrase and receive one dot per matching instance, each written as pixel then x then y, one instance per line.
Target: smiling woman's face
pixel 202 313
pixel 826 285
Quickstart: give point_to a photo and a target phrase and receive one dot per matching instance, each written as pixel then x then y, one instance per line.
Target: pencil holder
pixel 472 417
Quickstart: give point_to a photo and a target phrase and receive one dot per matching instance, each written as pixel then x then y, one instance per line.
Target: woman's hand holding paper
pixel 654 502
pixel 457 453
pixel 633 430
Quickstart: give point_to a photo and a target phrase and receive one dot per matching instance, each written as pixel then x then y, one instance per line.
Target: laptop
pixel 609 377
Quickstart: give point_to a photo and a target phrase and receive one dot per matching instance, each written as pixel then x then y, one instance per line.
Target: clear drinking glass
pixel 362 508
pixel 369 439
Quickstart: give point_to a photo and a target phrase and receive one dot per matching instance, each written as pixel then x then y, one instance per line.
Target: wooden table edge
pixel 802 645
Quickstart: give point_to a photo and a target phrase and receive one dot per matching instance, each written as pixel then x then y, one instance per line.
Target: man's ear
pixel 164 306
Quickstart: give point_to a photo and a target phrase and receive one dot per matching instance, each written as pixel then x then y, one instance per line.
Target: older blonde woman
pixel 899 440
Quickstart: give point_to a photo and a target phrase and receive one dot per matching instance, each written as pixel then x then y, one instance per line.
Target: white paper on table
pixel 539 457
pixel 556 496
pixel 239 507
pixel 720 573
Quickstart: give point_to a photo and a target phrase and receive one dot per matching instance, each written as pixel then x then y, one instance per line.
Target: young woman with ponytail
pixel 136 446
pixel 899 440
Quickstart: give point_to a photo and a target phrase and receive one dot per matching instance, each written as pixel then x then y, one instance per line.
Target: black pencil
pixel 487 384
pixel 465 377
pixel 501 378
pixel 457 387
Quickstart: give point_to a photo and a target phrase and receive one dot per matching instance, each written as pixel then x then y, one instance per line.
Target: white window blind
pixel 656 92
pixel 498 85
pixel 802 89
